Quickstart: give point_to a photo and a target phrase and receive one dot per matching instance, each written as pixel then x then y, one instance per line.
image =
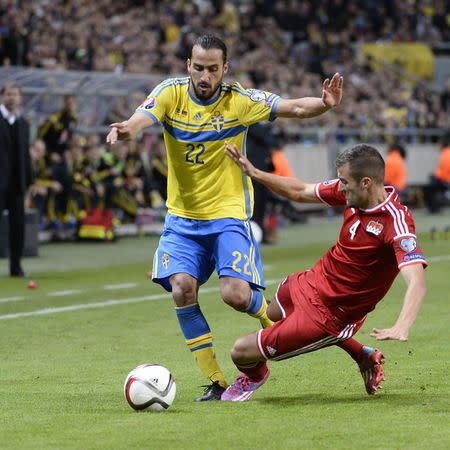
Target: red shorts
pixel 306 325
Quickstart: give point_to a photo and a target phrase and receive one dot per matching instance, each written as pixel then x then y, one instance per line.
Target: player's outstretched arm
pixel 303 108
pixel 416 289
pixel 128 129
pixel 289 187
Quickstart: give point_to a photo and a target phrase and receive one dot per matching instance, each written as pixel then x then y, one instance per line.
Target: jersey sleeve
pixel 403 239
pixel 158 102
pixel 328 192
pixel 254 105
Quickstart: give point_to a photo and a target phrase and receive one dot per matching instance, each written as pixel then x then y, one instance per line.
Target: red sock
pixel 256 371
pixel 353 348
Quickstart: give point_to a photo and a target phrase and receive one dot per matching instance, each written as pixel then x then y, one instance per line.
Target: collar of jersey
pixel 391 195
pixel 199 102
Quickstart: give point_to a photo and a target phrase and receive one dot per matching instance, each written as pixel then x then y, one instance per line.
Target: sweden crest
pixel 217 123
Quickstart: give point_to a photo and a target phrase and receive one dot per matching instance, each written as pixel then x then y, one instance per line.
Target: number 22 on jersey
pixel 194 153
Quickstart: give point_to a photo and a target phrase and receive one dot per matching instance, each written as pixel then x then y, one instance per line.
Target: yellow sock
pixel 206 360
pixel 261 314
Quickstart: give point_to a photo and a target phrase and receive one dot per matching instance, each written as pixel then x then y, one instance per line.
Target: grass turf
pixel 62 373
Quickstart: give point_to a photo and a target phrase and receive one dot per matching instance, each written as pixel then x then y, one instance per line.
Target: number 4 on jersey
pixel 353 229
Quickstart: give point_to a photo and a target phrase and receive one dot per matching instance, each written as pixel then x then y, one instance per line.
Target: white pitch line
pixel 64 293
pixel 438 258
pixel 11 299
pixel 104 304
pixel 119 286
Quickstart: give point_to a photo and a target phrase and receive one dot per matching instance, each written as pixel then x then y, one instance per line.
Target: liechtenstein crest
pixel 374 227
pixel 217 123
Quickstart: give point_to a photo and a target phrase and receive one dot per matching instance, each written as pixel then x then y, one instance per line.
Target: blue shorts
pixel 197 247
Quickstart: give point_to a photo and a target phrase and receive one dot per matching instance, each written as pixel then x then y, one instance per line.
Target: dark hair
pixel 9 85
pixel 364 161
pixel 396 145
pixel 207 41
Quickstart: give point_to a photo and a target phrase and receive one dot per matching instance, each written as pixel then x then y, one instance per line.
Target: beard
pixel 204 91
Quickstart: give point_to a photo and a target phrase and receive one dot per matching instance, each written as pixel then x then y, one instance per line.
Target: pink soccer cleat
pixel 242 388
pixel 371 368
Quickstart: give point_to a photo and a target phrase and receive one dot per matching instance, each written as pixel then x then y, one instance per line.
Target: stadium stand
pixel 110 54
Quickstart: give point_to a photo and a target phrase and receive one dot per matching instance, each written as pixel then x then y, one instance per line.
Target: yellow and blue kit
pixel 210 200
pixel 203 183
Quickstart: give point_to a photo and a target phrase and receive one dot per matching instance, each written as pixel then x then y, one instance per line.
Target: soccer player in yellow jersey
pixel 210 200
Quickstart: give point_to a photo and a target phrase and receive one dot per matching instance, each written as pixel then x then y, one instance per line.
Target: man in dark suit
pixel 15 171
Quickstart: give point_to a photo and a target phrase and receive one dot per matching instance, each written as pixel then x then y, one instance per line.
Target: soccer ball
pixel 150 387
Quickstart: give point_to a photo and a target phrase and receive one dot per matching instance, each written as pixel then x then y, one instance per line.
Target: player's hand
pixel 235 154
pixel 120 131
pixel 332 90
pixel 382 334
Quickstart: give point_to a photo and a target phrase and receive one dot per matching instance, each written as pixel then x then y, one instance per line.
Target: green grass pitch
pixel 63 364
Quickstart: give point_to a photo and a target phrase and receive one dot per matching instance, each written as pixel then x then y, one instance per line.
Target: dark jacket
pixel 24 173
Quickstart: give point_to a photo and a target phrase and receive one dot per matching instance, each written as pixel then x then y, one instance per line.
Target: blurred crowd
pixel 75 175
pixel 286 46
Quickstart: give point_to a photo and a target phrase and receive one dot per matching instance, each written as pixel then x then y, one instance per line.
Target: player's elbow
pixel 300 112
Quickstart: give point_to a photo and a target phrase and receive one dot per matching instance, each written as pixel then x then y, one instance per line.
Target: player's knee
pixel 238 352
pixel 236 293
pixel 274 311
pixel 184 290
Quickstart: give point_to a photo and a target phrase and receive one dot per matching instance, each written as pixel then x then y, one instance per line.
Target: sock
pixel 200 342
pixel 256 371
pixel 353 348
pixel 258 308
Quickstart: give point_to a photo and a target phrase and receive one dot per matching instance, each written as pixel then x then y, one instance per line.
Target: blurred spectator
pixel 395 169
pixel 15 171
pixel 57 130
pixel 159 169
pixel 261 141
pixel 45 187
pixel 437 193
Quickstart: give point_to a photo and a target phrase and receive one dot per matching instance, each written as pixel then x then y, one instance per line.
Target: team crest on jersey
pixel 408 245
pixel 374 227
pixel 149 103
pixel 217 122
pixel 256 95
pixel 165 260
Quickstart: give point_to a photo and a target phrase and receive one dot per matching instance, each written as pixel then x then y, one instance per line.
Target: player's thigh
pixel 177 253
pixel 296 334
pixel 236 254
pixel 281 305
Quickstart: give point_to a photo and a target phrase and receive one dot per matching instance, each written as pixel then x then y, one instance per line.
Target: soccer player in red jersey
pixel 327 304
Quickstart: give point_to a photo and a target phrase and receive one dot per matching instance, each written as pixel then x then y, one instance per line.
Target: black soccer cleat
pixel 212 392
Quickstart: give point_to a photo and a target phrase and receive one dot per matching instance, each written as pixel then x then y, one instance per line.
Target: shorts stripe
pixel 256 278
pixel 283 312
pixel 325 342
pixel 155 265
pixel 259 343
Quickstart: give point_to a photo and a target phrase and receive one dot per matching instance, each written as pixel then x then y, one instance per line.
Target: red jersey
pixel 356 273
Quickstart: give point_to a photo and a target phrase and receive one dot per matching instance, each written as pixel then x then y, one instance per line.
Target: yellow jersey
pixel 203 183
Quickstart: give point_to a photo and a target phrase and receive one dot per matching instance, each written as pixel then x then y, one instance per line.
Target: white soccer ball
pixel 150 387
